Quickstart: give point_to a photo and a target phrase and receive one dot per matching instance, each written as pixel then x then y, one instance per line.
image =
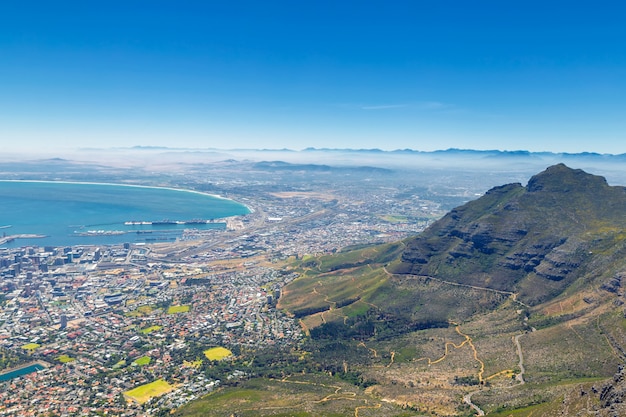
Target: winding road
pixel 467 399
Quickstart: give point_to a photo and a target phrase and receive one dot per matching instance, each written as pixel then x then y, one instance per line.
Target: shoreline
pixel 212 210
pixel 185 190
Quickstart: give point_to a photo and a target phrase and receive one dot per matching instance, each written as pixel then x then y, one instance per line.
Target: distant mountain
pixel 451 152
pixel 286 166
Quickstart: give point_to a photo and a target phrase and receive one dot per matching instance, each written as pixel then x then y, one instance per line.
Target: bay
pixel 94 214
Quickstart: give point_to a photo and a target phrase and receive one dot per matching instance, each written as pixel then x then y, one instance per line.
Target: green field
pixel 150 329
pixel 143 393
pixel 178 309
pixel 394 218
pixel 144 360
pixel 65 359
pixel 217 353
pixel 31 346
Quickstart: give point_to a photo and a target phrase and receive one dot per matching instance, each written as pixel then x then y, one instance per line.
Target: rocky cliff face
pixel 534 240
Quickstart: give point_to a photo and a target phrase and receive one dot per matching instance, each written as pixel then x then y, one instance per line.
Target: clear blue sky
pixel 426 75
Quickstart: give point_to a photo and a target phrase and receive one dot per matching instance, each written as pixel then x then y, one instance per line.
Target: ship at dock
pixel 167 222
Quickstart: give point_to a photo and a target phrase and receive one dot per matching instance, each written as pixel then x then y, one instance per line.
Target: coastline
pixel 149 206
pixel 131 185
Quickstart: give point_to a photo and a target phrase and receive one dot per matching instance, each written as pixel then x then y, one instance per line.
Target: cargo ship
pixel 171 222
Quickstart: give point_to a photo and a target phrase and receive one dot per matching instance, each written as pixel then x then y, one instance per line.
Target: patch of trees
pixel 466 380
pixel 308 311
pixel 389 327
pixel 374 324
pixel 356 378
pixel 9 359
pixel 346 302
pixel 348 265
pixel 356 328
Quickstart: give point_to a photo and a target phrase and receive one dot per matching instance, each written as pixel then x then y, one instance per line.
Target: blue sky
pixel 425 75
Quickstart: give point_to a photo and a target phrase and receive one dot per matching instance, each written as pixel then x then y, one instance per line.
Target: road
pixel 467 399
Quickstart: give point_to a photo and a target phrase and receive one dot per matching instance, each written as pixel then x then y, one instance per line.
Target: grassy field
pixel 144 360
pixel 150 329
pixel 217 353
pixel 143 393
pixel 65 359
pixel 178 309
pixel 31 346
pixel 394 218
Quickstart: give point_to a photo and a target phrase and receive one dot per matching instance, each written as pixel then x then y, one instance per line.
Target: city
pixel 100 321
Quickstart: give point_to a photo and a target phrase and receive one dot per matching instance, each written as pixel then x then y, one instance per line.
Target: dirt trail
pixel 373 350
pixel 467 341
pixel 337 395
pixel 467 398
pixel 511 295
pixel 356 410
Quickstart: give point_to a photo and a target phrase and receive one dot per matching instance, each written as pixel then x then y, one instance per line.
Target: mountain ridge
pixel 525 283
pixel 543 231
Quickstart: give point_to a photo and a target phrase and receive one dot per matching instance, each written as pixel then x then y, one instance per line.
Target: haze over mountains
pixel 520 162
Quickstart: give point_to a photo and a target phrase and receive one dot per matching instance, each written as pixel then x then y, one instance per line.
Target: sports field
pixel 144 360
pixel 217 353
pixel 143 393
pixel 31 346
pixel 150 329
pixel 178 309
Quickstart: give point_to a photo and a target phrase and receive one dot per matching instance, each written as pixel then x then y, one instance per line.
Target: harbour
pixel 7 239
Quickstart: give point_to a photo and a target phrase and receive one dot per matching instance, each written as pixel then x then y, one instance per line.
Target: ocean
pixel 97 214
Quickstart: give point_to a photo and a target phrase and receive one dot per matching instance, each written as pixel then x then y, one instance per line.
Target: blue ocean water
pixel 64 212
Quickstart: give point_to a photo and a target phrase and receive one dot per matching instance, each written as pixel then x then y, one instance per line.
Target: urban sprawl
pixel 124 329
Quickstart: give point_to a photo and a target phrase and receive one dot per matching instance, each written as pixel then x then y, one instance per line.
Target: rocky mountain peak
pixel 561 178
